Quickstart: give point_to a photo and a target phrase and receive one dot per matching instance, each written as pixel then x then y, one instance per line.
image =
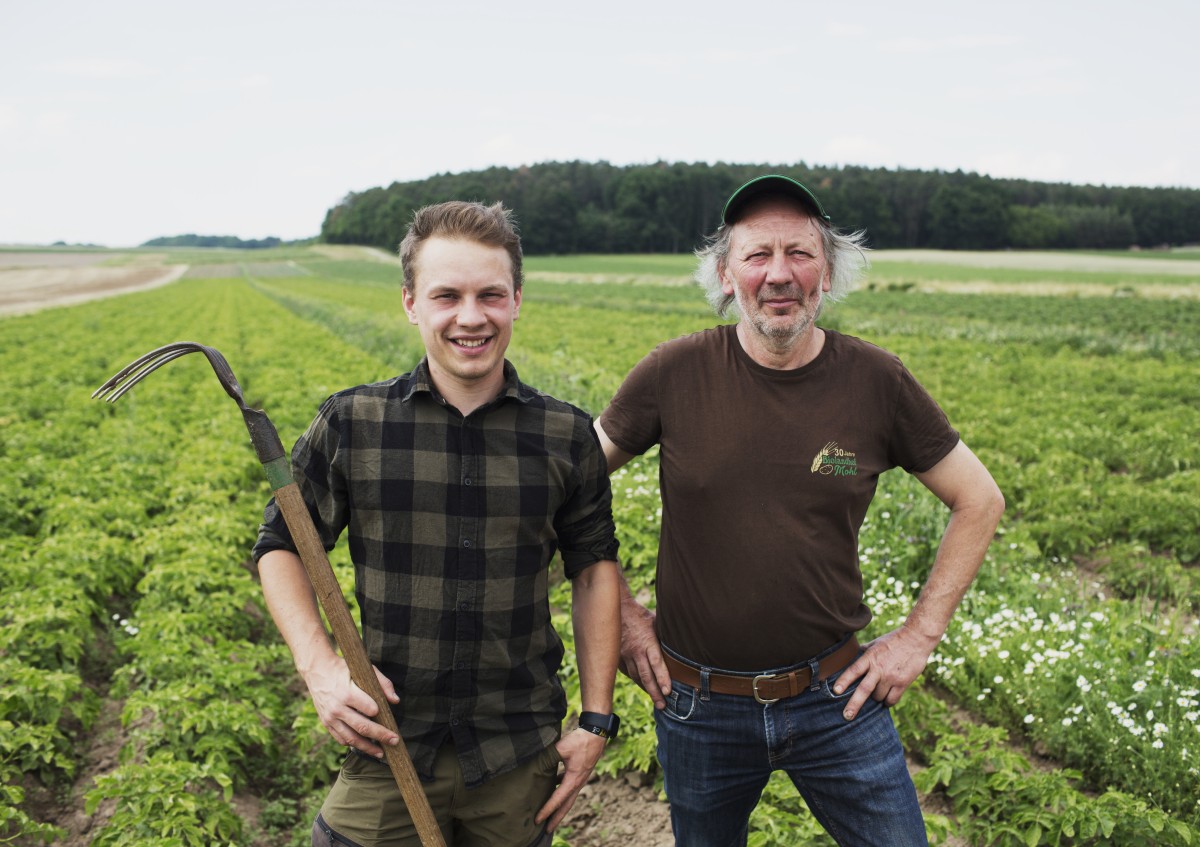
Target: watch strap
pixel 605 726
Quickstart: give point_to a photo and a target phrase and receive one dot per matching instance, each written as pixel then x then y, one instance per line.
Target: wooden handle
pixel 345 633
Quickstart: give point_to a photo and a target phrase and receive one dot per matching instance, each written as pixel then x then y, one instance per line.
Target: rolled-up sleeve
pixel 584 523
pixel 321 483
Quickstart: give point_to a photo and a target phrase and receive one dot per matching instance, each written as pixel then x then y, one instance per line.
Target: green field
pixel 143 687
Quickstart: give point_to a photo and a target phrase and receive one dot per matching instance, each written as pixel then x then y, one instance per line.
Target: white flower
pixel 1029 719
pixel 1139 686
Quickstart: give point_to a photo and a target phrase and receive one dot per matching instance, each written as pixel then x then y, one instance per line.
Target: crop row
pixel 124 528
pixel 566 348
pixel 123 551
pixel 1096 453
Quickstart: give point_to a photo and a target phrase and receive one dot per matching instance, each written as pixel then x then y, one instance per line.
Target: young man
pixel 457 483
pixel 773 434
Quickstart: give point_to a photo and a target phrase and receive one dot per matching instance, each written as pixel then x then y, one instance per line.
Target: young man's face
pixel 464 304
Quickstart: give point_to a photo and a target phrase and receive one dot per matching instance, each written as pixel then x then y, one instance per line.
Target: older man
pixel 773 434
pixel 457 483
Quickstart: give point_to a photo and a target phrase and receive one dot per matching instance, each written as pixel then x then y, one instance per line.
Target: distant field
pixel 932 270
pixel 138 664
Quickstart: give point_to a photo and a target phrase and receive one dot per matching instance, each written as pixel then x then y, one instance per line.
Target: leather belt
pixel 765 688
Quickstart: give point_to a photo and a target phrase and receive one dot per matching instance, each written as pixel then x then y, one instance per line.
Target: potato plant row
pixel 126 529
pixel 126 550
pixel 1114 409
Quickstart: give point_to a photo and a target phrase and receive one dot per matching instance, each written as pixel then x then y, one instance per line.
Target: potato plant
pixel 125 536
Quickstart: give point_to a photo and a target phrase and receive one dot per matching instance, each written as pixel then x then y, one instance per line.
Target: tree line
pixel 586 207
pixel 225 241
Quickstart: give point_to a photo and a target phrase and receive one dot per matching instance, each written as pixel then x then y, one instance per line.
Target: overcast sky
pixel 121 121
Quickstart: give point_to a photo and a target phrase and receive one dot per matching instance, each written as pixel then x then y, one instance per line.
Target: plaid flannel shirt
pixel 452 524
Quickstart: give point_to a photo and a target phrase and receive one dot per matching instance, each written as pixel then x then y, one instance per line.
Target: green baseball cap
pixel 770 184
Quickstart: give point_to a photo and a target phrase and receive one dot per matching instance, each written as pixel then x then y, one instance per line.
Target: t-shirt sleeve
pixel 633 419
pixel 922 434
pixel 584 523
pixel 321 484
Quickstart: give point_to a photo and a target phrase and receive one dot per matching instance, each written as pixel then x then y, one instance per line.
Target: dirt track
pixel 33 281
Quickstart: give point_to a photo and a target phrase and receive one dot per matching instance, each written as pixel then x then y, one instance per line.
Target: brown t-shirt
pixel 766 476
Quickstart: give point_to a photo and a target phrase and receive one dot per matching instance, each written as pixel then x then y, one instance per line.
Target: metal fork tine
pixel 224 373
pixel 149 368
pixel 135 371
pixel 120 375
pixel 140 368
pixel 132 375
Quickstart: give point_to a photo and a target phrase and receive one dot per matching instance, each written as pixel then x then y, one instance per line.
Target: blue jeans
pixel 717 752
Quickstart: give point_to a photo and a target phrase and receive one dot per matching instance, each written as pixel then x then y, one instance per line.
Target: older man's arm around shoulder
pixel 596 621
pixel 891 662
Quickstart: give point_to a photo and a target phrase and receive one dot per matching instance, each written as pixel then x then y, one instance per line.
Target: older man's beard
pixel 774 331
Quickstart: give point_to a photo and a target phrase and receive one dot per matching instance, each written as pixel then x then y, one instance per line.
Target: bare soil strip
pixel 354 251
pixel 1052 288
pixel 1032 260
pixel 29 289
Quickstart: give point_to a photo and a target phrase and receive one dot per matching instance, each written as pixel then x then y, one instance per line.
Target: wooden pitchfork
pixel 312 553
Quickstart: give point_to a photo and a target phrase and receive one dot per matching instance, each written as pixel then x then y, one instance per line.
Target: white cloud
pixel 852 150
pixel 912 45
pixel 99 68
pixel 841 29
pixel 255 82
pixel 1050 166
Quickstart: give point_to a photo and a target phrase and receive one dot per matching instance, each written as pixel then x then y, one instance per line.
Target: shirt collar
pixel 420 382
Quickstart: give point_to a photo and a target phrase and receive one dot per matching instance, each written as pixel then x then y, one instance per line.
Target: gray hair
pixel 845 256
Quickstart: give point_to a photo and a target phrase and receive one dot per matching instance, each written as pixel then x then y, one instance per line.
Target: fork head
pixel 263 435
pixel 137 370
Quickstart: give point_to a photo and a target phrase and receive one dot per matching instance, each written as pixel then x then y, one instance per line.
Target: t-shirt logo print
pixel 832 459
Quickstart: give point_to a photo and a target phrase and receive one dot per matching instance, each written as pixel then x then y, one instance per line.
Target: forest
pixel 223 241
pixel 597 207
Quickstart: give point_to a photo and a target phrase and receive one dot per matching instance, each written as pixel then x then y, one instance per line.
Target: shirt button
pixel 464 606
pixel 467 481
pixel 467 543
pixel 454 721
pixel 460 665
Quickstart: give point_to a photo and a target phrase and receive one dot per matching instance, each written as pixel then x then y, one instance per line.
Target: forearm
pixel 976 504
pixel 959 557
pixel 293 607
pixel 596 620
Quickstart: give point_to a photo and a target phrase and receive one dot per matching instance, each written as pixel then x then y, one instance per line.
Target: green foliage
pixel 1002 799
pixel 16 826
pixel 226 241
pixel 166 802
pixel 669 207
pixel 124 532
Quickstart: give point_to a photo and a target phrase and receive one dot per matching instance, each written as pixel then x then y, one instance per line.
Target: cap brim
pixel 770 184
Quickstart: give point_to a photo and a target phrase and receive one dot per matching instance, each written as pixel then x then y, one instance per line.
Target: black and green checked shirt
pixel 452 524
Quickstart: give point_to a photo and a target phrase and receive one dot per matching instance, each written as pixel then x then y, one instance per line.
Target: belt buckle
pixel 770 677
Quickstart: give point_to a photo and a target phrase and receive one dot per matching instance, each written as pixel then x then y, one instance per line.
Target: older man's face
pixel 776 270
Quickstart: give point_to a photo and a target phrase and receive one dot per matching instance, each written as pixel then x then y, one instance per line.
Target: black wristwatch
pixel 605 726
